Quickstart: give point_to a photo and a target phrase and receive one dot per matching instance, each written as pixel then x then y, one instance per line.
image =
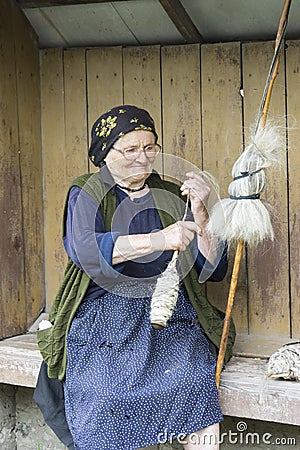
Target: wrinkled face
pixel 136 169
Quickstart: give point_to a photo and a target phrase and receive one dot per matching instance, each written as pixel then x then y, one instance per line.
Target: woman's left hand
pixel 199 193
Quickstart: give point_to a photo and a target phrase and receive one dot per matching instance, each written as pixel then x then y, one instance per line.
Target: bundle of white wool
pixel 243 215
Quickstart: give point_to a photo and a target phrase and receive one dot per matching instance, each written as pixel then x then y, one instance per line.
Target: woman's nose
pixel 142 156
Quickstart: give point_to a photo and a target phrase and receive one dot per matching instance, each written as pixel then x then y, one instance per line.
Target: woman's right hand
pixel 176 236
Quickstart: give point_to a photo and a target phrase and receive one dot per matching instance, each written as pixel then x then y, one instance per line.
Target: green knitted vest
pixel 167 198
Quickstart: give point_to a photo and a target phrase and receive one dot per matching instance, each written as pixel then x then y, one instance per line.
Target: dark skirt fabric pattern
pixel 130 386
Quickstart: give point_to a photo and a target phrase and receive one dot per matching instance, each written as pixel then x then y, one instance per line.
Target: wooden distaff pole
pixel 240 244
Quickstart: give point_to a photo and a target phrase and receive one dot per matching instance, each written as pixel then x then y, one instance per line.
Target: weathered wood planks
pixel 54 165
pixel 22 272
pixel 222 122
pixel 293 121
pixel 268 277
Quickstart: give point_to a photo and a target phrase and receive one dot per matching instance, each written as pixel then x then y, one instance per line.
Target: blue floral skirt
pixel 128 385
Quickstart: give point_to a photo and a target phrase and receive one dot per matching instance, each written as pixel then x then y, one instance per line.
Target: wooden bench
pixel 245 390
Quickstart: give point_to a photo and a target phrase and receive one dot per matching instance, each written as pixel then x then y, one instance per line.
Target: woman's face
pixel 134 171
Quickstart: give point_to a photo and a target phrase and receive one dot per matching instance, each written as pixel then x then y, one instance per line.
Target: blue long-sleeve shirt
pixel 91 247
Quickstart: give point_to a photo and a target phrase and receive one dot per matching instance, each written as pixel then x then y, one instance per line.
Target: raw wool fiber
pixel 285 362
pixel 248 219
pixel 165 295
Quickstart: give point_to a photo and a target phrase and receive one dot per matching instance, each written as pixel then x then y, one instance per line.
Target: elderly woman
pixel 128 385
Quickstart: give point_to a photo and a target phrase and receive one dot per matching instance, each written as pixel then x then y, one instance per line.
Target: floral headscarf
pixel 114 124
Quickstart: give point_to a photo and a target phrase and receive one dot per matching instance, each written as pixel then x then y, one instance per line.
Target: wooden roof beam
pixel 182 21
pixel 48 3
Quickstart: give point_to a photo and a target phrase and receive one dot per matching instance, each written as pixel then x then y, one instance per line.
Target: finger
pixel 194 175
pixel 188 238
pixel 190 174
pixel 195 186
pixel 186 241
pixel 190 225
pixel 197 192
pixel 197 177
pixel 186 187
pixel 199 231
pixel 185 190
pixel 189 182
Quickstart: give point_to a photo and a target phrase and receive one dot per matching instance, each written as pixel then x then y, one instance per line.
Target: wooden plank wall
pixel 21 217
pixel 293 187
pixel 203 99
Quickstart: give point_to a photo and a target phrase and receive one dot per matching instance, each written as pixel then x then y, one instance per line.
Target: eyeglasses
pixel 131 153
